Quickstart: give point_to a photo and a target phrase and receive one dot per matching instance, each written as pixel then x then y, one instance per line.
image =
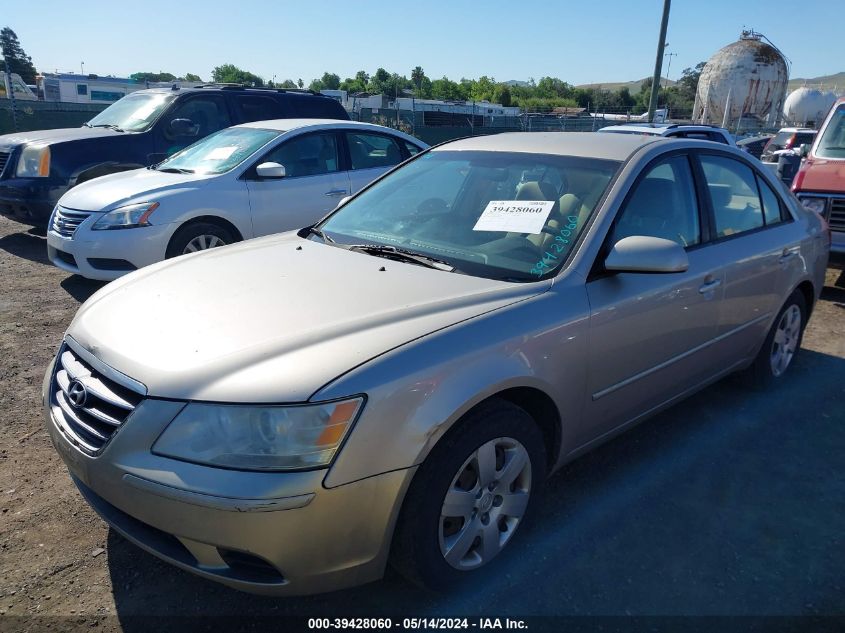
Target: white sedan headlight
pixel 128 217
pixel 259 437
pixel 34 162
pixel 814 204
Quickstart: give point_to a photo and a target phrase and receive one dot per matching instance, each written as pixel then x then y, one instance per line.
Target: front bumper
pixel 269 533
pixel 30 200
pixel 107 255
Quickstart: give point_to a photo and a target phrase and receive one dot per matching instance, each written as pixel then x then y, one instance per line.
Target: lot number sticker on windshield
pixel 221 153
pixel 516 216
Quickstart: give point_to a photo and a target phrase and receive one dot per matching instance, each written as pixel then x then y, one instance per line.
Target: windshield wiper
pixel 174 170
pixel 392 252
pixel 110 126
pixel 313 230
pixel 86 124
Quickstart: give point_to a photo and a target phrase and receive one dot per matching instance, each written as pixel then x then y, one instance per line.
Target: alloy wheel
pixel 203 242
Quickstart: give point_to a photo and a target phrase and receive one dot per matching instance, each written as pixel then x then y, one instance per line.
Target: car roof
pixel 287 125
pixel 797 129
pixel 580 144
pixel 233 89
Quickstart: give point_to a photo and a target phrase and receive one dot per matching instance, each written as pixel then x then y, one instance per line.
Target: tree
pixel 329 81
pixel 229 73
pixel 287 83
pixel 417 76
pixel 19 62
pixel 152 77
pixel 192 77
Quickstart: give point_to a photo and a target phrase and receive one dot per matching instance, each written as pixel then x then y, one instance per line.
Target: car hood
pixel 824 175
pixel 50 137
pixel 136 185
pixel 273 319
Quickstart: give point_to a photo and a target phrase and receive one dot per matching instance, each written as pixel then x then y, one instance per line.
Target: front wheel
pixel 782 342
pixel 469 496
pixel 199 236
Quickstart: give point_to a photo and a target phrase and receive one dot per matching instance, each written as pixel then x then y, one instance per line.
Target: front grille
pixel 88 406
pixel 66 221
pixel 4 158
pixel 837 214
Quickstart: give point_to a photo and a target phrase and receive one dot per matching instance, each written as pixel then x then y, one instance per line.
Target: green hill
pixel 828 82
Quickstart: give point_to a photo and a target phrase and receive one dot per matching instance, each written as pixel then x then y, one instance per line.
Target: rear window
pixel 311 107
pixel 259 108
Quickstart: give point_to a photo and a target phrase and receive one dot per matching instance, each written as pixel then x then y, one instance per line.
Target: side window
pixel 372 150
pixel 208 114
pixel 663 204
pixel 733 191
pixel 307 155
pixel 771 204
pixel 413 150
pixel 258 108
pixel 81 89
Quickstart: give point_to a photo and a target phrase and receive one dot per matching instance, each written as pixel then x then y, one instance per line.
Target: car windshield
pixel 507 216
pixel 832 142
pixel 220 152
pixel 133 113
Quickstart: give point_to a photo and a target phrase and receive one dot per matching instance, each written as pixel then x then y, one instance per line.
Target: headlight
pixel 814 204
pixel 259 437
pixel 34 162
pixel 128 217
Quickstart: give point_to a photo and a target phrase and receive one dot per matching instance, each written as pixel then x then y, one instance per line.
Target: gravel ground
pixel 731 504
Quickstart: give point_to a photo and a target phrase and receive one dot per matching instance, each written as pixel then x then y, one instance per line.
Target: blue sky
pixel 579 42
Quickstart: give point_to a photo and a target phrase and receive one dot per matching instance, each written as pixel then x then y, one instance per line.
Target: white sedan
pixel 242 182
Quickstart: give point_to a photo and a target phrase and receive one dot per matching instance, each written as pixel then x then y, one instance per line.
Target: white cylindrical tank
pixel 807 106
pixel 747 78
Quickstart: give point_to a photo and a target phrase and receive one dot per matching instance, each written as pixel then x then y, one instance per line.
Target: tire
pixel 782 343
pixel 438 551
pixel 198 236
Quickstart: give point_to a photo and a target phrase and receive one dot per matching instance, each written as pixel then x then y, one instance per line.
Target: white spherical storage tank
pixel 745 79
pixel 807 106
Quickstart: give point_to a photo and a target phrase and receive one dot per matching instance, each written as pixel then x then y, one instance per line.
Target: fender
pixel 420 390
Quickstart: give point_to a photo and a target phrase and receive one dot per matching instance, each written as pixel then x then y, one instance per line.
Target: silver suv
pixel 675 130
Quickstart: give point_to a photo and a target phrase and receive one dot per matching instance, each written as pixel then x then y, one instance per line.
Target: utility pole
pixel 658 62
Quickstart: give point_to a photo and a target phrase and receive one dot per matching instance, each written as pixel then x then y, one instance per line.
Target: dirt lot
pixel 731 504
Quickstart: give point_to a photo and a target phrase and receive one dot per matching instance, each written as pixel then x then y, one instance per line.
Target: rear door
pixel 753 236
pixel 312 187
pixel 651 334
pixel 370 155
pixel 257 107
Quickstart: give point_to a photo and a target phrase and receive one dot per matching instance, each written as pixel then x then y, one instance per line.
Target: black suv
pixel 142 128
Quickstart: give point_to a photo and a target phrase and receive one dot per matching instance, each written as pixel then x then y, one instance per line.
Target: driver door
pixel 207 113
pixel 312 187
pixel 650 333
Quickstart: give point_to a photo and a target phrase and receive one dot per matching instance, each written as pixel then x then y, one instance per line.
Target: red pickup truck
pixel 820 183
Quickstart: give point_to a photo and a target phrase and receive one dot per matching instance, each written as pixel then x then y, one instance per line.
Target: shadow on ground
pixel 81 288
pixel 30 244
pixel 728 504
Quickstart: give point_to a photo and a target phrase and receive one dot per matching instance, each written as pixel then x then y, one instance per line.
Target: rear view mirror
pixel 270 170
pixel 646 254
pixel 184 127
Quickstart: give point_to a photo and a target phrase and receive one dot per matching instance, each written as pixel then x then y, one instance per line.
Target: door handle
pixel 710 284
pixel 336 192
pixel 787 254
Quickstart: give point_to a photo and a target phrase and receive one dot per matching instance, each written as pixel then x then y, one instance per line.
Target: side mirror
pixel 804 149
pixel 343 201
pixel 184 127
pixel 270 170
pixel 646 254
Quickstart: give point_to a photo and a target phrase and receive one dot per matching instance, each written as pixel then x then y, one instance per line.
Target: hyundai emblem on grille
pixel 77 394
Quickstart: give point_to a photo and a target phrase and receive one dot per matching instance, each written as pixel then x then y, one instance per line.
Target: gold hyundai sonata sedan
pixel 394 384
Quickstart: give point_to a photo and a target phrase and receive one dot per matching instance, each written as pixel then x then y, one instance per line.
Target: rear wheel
pixel 470 495
pixel 782 342
pixel 198 236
